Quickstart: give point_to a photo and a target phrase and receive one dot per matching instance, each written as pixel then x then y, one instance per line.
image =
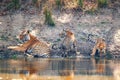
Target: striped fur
pixel 33 45
pixel 69 42
pixel 100 46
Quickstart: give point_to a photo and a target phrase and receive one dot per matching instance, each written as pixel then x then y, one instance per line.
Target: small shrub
pixel 3 37
pixel 14 4
pixel 58 3
pixel 109 56
pixel 14 56
pixel 34 1
pixel 88 6
pixel 48 17
pixel 80 2
pixel 10 6
pixel 102 3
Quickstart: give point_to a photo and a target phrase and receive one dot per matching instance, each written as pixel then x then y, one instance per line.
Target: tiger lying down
pixel 31 45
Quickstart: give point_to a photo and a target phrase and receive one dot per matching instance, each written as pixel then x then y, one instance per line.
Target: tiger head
pixel 24 35
pixel 66 33
pixel 101 44
pixel 100 41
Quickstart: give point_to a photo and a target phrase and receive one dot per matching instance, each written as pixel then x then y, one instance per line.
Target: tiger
pixel 99 48
pixel 69 42
pixel 32 46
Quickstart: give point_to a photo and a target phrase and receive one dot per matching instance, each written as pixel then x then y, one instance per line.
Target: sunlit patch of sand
pixel 117 37
pixel 116 70
pixel 37 77
pixel 117 74
pixel 65 18
pixel 1 78
pixel 0 22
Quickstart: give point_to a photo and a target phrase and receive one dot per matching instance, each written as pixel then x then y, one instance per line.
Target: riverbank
pixel 87 27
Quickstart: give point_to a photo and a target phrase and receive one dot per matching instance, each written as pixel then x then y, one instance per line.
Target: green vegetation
pixel 102 3
pixel 86 5
pixel 14 56
pixel 48 18
pixel 58 3
pixel 34 1
pixel 10 6
pixel 109 56
pixel 80 2
pixel 3 37
pixel 14 4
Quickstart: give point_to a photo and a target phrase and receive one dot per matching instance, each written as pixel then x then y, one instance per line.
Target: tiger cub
pixel 99 48
pixel 69 42
pixel 32 45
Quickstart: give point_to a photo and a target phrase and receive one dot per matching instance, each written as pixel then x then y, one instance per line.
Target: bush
pixel 4 38
pixel 58 3
pixel 14 4
pixel 34 1
pixel 48 17
pixel 80 2
pixel 102 3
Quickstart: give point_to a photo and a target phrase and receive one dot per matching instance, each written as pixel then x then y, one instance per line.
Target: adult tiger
pixel 99 48
pixel 32 45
